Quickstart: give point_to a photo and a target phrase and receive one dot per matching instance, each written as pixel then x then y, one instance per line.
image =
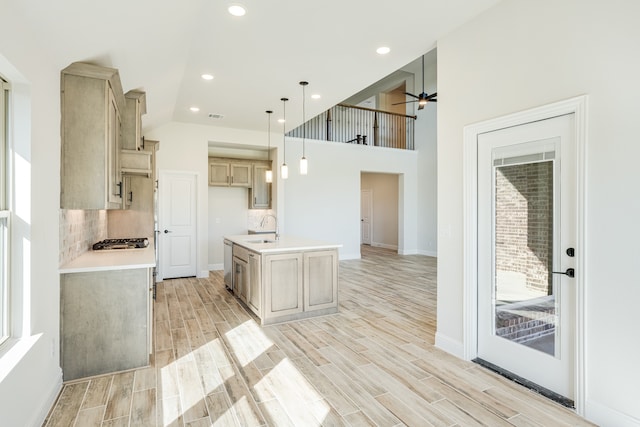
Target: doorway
pixel 532 161
pixel 379 209
pixel 177 224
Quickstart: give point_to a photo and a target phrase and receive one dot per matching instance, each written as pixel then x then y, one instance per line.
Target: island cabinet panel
pixel 104 322
pixel 283 285
pixel 320 280
pixel 254 293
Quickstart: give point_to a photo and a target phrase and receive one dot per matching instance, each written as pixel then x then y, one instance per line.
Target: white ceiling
pixel 163 47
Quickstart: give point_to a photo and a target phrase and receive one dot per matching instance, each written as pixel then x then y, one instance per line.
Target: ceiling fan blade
pixel 406 102
pixel 421 106
pixel 410 94
pixel 433 95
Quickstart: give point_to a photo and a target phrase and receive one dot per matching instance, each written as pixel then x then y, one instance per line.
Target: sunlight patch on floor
pixel 290 388
pixel 248 342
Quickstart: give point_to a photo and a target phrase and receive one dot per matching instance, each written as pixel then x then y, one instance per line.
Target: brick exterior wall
pixel 524 222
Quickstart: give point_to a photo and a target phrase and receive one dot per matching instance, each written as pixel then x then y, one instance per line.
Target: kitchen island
pixel 284 279
pixel 106 314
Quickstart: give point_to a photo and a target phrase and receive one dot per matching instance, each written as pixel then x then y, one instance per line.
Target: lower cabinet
pixel 254 291
pixel 285 286
pixel 320 280
pixel 282 284
pixel 104 321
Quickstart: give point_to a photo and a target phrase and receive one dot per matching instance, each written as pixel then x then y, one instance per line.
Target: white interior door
pixel 365 216
pixel 526 233
pixel 178 193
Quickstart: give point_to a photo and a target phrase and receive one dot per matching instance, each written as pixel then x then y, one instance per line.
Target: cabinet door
pixel 240 278
pixel 320 280
pixel 127 192
pixel 113 148
pixel 261 189
pixel 104 322
pixel 218 174
pixel 254 291
pixel 240 174
pixel 282 285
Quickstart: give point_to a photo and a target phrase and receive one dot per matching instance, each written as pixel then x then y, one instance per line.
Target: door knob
pixel 570 272
pixel 167 231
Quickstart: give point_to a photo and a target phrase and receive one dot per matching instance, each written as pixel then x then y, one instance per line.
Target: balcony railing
pixel 360 125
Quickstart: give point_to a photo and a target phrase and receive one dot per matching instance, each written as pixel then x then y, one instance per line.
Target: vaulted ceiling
pixel 163 47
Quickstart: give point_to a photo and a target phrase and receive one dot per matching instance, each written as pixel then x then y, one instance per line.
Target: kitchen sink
pixel 260 241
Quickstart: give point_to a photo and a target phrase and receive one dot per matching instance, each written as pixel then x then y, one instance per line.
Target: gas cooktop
pixel 129 243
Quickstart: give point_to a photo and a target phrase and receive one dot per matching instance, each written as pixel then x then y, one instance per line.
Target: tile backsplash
pixel 79 230
pixel 254 218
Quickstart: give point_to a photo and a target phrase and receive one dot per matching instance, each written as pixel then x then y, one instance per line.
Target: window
pixel 4 214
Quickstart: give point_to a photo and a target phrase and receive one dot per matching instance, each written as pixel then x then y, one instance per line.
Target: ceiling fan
pixel 424 97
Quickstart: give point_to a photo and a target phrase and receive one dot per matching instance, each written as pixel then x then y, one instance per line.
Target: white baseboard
pixel 407 252
pixel 216 267
pixel 429 253
pixel 53 390
pixel 605 416
pixel 449 345
pixel 384 245
pixel 344 257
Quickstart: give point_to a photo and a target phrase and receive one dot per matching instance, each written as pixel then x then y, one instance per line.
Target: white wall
pixel 384 215
pixel 426 147
pixel 322 205
pixel 228 210
pixel 325 204
pixel 523 54
pixel 30 374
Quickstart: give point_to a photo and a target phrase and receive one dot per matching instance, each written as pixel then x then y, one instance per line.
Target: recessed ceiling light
pixel 280 120
pixel 237 9
pixel 315 96
pixel 207 76
pixel 383 50
pixel 194 109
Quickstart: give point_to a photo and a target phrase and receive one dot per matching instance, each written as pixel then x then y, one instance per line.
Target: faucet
pixel 264 218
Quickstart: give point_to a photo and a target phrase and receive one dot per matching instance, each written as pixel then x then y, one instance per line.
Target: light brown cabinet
pixel 286 285
pixel 320 280
pixel 230 172
pixel 105 321
pixel 282 285
pixel 135 108
pixel 254 291
pixel 91 103
pixel 260 193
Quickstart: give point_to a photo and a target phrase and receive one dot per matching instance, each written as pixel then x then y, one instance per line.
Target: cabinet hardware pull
pixel 131 196
pixel 120 189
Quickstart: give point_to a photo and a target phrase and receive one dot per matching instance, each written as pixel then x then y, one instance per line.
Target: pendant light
pixel 303 161
pixel 284 169
pixel 269 172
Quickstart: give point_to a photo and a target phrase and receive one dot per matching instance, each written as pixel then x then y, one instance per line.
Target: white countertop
pixel 114 259
pixel 283 244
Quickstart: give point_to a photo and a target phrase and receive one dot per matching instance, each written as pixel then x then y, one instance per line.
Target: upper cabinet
pixel 135 107
pixel 229 172
pixel 260 192
pixel 91 104
pixel 251 174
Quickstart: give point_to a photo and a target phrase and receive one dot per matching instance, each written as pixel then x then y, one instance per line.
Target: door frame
pixel 578 107
pixel 370 216
pixel 162 177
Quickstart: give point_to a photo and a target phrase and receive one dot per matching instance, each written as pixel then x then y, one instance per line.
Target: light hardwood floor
pixel 372 364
